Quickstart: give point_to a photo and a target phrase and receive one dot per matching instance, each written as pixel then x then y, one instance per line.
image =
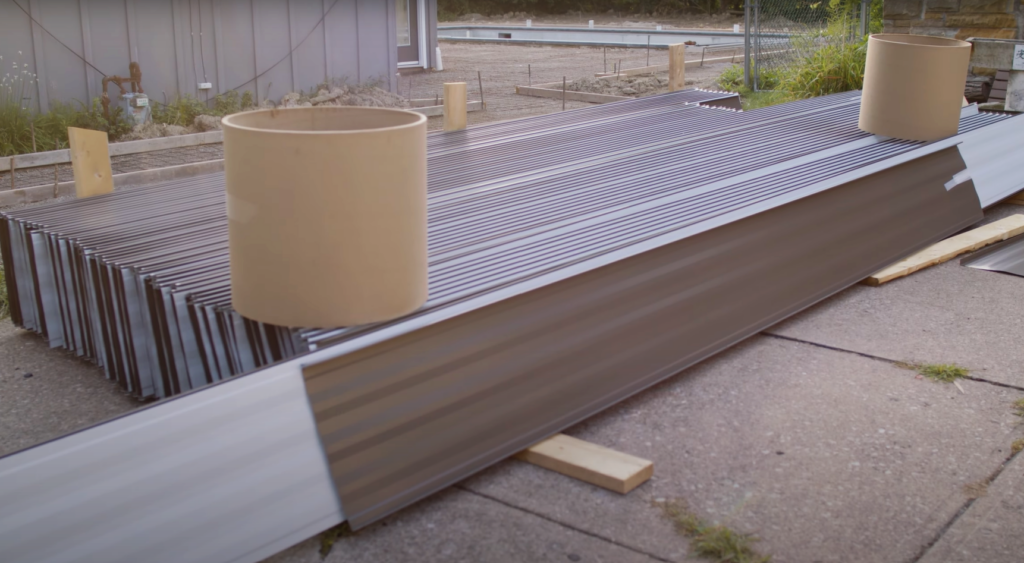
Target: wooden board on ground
pixel 90 162
pixel 950 248
pixel 588 462
pixel 1016 199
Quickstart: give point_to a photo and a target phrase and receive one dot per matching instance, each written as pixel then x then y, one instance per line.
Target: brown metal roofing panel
pixel 407 417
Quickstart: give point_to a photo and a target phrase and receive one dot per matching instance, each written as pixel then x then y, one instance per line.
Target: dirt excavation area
pixel 634 86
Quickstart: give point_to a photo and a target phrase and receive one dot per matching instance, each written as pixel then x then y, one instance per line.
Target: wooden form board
pixel 90 162
pixel 454 106
pixel 554 90
pixel 951 248
pixel 63 156
pixel 432 111
pixel 589 462
pixel 695 63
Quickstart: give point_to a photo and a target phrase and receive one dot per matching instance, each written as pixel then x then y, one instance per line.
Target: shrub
pixel 182 111
pixel 732 79
pixel 837 66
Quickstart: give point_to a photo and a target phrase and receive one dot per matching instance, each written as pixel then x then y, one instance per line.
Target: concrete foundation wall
pixel 960 19
pixel 269 47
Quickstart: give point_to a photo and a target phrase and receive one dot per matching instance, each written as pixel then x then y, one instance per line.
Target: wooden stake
pixel 12 170
pixel 529 74
pixel 55 181
pixel 32 128
pixel 676 67
pixel 563 93
pixel 90 161
pixel 480 82
pixel 454 106
pixel 606 60
pixel 589 462
pixel 648 51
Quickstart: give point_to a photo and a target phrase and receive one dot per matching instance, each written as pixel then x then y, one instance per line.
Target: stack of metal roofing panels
pixel 138 280
pixel 573 262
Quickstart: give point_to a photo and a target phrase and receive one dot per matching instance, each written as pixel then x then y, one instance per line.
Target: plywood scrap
pixel 950 248
pixel 90 162
pixel 589 462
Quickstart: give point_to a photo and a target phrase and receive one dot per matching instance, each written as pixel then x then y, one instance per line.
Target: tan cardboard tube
pixel 913 86
pixel 327 214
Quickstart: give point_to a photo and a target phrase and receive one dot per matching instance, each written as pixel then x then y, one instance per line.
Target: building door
pixel 408 31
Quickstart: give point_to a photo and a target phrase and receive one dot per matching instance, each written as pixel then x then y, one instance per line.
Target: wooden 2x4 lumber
pixel 951 248
pixel 588 462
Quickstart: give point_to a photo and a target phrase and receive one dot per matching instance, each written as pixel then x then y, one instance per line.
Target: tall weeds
pixel 835 61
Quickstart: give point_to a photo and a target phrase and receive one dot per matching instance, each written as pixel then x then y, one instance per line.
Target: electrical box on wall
pixel 205 85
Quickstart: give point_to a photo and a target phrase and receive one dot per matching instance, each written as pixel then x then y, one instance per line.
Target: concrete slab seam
pixel 963 510
pixel 560 523
pixel 881 359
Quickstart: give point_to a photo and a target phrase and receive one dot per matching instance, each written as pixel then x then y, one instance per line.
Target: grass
pixel 23 130
pixel 832 61
pixel 330 537
pixel 976 490
pixel 1017 446
pixel 943 373
pixel 1018 407
pixel 714 542
pixel 761 99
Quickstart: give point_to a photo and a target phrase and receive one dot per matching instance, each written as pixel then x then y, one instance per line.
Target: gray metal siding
pixel 180 43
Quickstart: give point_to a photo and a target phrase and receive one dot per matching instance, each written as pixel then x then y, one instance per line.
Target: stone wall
pixel 960 19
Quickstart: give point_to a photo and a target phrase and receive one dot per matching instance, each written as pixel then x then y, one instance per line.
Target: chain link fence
pixel 784 32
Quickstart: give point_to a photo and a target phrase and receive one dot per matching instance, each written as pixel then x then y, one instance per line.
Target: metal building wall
pixel 269 47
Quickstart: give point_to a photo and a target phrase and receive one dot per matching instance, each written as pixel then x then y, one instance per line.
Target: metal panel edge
pixel 232 473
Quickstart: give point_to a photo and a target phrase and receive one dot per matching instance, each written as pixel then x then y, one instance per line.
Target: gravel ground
pixel 119 164
pixel 503 67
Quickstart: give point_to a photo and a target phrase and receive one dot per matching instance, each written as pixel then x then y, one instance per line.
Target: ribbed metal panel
pixel 1006 257
pixel 409 416
pixel 556 290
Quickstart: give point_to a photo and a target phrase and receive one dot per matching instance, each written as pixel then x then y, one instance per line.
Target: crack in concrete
pixel 970 501
pixel 563 524
pixel 963 510
pixel 882 359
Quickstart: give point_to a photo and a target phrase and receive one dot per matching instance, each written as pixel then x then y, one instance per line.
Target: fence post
pixel 757 45
pixel 865 17
pixel 746 43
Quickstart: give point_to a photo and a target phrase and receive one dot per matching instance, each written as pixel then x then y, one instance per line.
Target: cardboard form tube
pixel 327 214
pixel 914 86
pixel 676 67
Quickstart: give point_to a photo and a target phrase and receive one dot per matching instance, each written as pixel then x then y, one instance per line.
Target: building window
pixel 404 25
